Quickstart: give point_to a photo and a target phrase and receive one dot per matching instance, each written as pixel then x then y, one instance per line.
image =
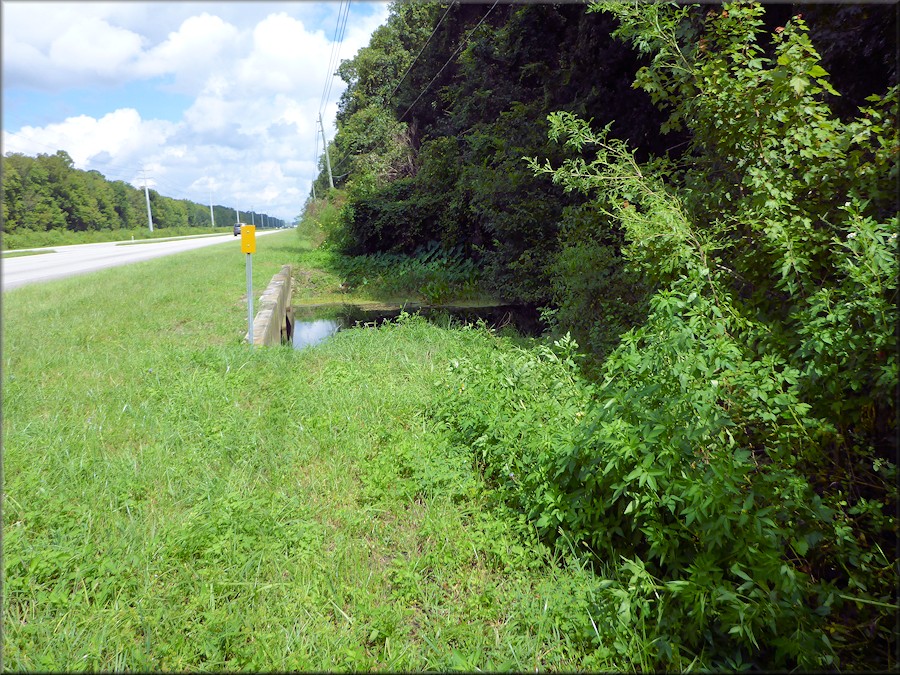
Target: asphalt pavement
pixel 59 262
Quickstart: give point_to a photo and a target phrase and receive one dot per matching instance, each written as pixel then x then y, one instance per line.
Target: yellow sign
pixel 248 238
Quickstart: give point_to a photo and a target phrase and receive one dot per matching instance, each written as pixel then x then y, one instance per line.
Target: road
pixel 67 261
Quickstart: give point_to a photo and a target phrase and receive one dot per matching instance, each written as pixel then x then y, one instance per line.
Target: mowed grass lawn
pixel 174 501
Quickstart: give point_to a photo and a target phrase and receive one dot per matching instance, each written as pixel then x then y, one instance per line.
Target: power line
pixel 337 54
pixel 447 11
pixel 452 56
pixel 339 30
pixel 328 73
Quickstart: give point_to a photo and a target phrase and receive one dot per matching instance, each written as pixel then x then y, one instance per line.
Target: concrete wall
pixel 274 304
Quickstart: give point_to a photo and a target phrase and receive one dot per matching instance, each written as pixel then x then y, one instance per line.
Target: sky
pixel 206 100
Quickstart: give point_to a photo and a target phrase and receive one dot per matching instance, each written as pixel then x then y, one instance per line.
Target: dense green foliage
pixel 45 197
pixel 721 240
pixel 446 165
pixel 738 453
pixel 444 102
pixel 433 274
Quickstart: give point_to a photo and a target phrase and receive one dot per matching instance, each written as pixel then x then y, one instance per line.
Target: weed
pixel 175 501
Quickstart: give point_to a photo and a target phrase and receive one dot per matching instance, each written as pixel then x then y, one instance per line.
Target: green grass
pixel 19 254
pixel 176 501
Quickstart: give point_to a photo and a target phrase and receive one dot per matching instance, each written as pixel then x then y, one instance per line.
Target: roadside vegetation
pixel 174 501
pixel 704 203
pixel 694 469
pixel 431 274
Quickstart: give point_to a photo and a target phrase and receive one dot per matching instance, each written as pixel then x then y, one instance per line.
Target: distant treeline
pixel 47 193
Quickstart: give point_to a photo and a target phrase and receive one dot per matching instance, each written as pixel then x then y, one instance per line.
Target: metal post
pixel 250 298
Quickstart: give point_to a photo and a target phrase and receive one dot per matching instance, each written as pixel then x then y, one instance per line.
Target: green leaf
pixel 800 545
pixel 799 84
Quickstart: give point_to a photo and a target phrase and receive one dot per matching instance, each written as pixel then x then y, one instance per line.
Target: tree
pixel 773 245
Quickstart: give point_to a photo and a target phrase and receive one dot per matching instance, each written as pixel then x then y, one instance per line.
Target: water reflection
pixel 308 333
pixel 310 330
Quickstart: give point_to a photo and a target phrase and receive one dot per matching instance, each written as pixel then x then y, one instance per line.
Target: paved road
pixel 67 261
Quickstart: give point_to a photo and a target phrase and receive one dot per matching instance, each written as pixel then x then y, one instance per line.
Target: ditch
pixel 315 323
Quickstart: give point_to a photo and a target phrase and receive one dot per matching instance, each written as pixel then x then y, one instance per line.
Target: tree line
pixel 47 194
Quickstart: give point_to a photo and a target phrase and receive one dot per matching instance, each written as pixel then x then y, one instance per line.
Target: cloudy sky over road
pixel 203 97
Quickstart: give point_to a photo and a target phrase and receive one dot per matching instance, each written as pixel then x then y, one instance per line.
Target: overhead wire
pixel 340 31
pixel 397 86
pixel 333 60
pixel 409 68
pixel 331 57
pixel 452 56
pixel 337 54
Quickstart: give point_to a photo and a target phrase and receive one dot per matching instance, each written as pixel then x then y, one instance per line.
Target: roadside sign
pixel 248 238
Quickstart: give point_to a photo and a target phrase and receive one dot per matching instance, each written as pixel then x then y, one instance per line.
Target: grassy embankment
pixel 175 501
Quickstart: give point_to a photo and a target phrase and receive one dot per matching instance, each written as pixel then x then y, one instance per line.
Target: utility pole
pixel 212 216
pixel 238 216
pixel 327 158
pixel 147 195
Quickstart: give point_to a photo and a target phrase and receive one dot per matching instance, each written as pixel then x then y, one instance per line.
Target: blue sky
pixel 201 96
pixel 23 106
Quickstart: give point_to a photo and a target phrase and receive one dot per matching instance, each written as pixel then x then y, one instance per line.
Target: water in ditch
pixel 314 324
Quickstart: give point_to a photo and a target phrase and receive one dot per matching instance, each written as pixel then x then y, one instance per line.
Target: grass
pixel 175 501
pixel 19 254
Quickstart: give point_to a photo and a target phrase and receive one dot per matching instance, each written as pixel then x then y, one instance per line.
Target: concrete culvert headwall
pixel 274 320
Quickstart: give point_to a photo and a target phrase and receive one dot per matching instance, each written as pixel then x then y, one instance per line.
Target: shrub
pixel 737 458
pixel 435 273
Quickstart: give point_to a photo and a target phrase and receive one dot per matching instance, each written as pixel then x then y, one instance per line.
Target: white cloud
pixel 92 47
pixel 255 72
pixel 121 135
pixel 87 50
pixel 281 61
pixel 192 52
